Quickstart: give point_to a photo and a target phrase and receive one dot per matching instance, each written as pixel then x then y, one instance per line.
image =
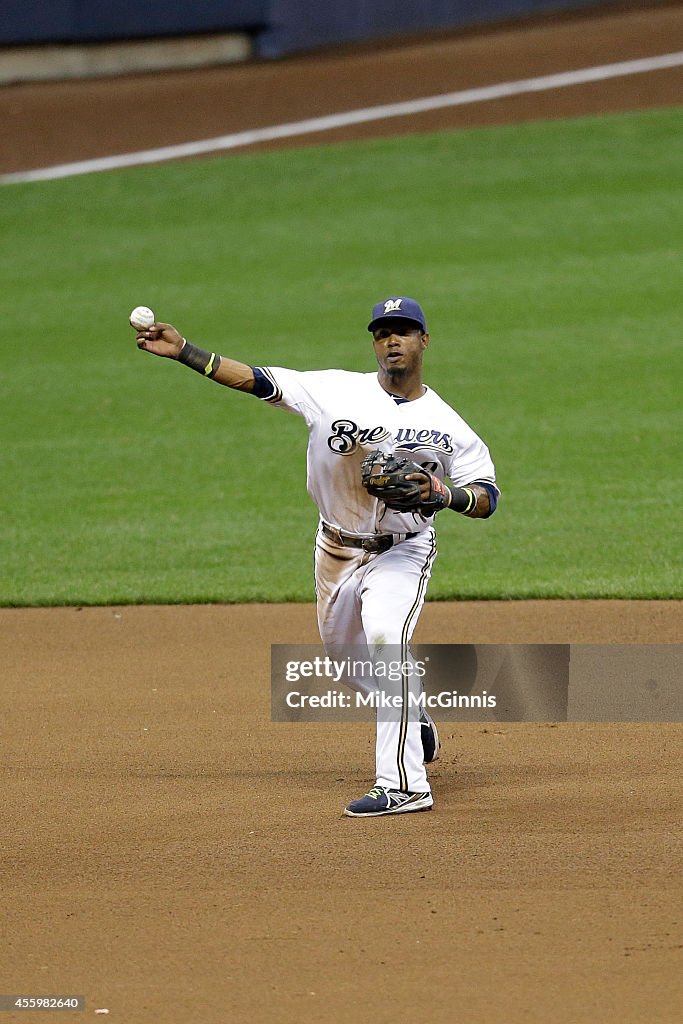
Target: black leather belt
pixel 373 544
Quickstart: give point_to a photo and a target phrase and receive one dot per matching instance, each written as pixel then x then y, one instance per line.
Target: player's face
pixel 399 345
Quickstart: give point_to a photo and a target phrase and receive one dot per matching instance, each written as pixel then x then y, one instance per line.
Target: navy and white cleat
pixel 430 738
pixel 388 801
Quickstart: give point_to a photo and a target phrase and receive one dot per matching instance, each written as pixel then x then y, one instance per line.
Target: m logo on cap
pixel 391 305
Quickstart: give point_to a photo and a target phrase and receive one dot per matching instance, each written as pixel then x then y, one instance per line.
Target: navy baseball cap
pixel 406 309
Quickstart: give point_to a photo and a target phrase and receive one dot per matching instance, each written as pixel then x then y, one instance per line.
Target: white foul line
pixel 350 117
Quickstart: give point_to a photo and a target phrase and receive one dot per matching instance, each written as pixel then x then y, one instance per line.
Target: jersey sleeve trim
pixel 493 494
pixel 265 386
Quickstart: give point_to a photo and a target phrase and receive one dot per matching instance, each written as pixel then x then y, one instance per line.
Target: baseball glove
pixel 384 476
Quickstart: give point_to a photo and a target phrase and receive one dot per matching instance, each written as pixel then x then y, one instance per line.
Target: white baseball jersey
pixel 349 414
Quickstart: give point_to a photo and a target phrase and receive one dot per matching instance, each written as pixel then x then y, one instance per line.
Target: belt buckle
pixel 377 545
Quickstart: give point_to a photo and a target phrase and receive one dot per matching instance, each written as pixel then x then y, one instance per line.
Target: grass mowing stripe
pixel 546 258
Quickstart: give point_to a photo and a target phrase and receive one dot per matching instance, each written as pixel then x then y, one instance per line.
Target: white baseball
pixel 141 318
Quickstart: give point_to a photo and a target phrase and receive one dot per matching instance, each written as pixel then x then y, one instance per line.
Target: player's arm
pixel 165 341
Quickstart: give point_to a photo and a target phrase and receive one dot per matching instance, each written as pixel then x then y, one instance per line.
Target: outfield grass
pixel 547 257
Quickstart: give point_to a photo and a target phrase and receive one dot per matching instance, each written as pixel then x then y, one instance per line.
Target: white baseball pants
pixel 369 601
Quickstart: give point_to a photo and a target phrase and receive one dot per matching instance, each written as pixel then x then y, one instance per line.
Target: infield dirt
pixel 173 855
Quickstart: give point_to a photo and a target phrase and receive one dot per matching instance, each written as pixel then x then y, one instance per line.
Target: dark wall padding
pixel 279 27
pixel 306 24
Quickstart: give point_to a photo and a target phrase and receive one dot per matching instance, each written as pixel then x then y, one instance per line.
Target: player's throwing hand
pixel 161 340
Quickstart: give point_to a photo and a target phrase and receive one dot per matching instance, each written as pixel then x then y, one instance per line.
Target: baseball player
pixel 382 446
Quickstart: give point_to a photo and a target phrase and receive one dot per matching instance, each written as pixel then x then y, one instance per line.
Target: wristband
pixel 198 359
pixel 463 500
